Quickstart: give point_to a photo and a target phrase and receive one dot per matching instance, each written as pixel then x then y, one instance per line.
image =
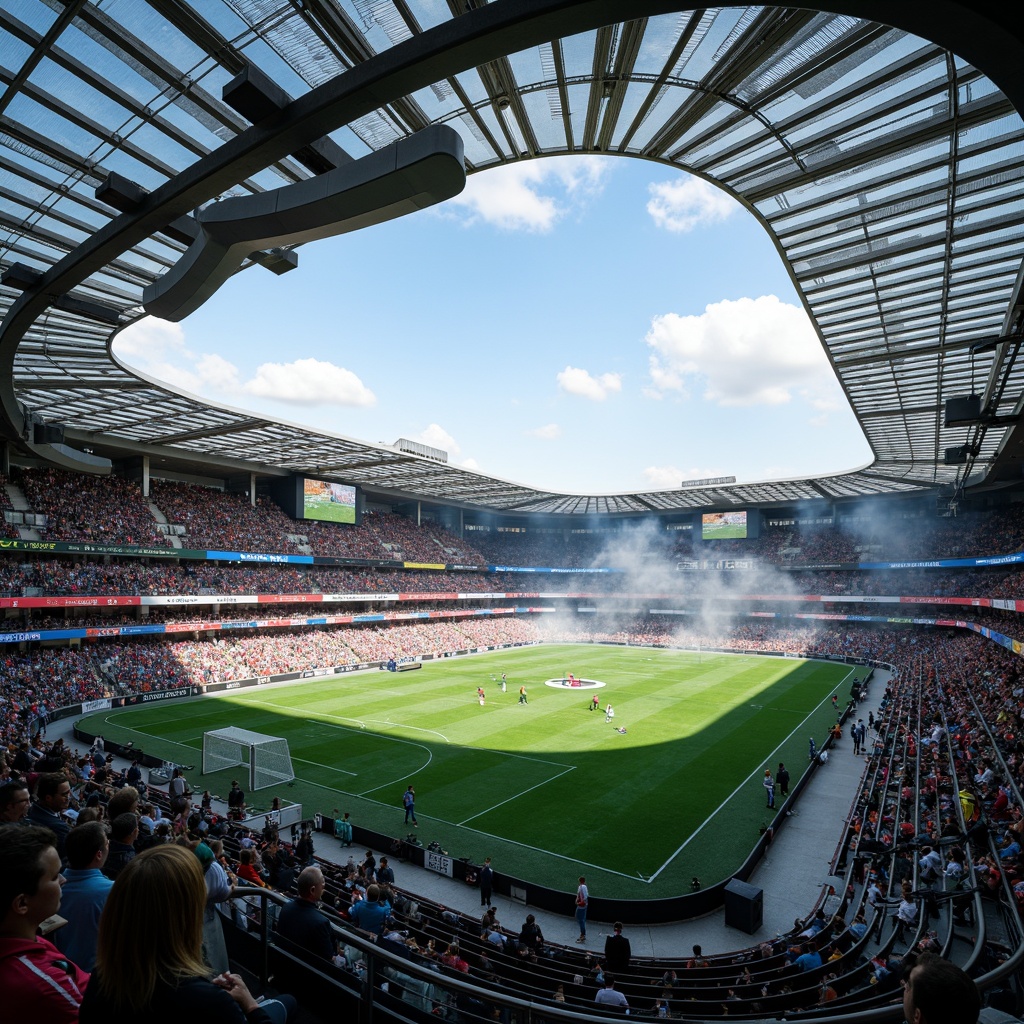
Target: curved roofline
pixel 486 35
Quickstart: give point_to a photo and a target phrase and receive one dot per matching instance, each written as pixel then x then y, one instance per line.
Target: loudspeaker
pixel 963 410
pixel 47 433
pixel 744 906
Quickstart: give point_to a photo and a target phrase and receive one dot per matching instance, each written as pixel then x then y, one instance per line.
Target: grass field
pixel 727 531
pixel 548 789
pixel 329 511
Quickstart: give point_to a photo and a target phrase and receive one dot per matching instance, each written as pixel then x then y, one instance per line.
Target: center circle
pixel 574 683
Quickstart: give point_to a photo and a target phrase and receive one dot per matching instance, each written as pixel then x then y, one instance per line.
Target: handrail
pixel 530 1011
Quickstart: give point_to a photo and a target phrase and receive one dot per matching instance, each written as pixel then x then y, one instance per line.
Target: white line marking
pixel 499 839
pixel 329 767
pixel 700 827
pixel 152 736
pixel 400 725
pixel 393 739
pixel 489 835
pixel 516 796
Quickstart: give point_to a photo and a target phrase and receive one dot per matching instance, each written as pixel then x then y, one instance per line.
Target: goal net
pixel 267 757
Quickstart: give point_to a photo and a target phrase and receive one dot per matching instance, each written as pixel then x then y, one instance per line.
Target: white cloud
pixel 575 381
pixel 661 478
pixel 744 352
pixel 309 382
pixel 437 437
pixel 151 339
pixel 159 349
pixel 470 464
pixel 217 373
pixel 823 403
pixel 531 195
pixel 549 432
pixel 686 202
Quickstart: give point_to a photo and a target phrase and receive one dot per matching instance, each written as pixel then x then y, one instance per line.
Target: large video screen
pixel 328 502
pixel 723 526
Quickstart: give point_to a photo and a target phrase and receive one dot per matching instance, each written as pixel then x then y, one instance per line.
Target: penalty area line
pixel 328 767
pixel 393 739
pixel 502 803
pixel 487 835
pixel 152 736
pixel 700 828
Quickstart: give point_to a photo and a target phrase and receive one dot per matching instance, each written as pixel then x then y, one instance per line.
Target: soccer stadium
pixel 297 724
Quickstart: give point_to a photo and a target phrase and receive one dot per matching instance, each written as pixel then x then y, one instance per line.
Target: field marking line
pixel 485 750
pixel 547 853
pixel 516 796
pixel 152 736
pixel 502 753
pixel 329 767
pixel 109 718
pixel 198 747
pixel 359 721
pixel 401 725
pixel 394 739
pixel 756 771
pixel 476 831
pixel 415 728
pixel 487 835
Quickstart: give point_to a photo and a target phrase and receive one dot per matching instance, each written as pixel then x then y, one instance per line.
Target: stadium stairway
pixel 793 874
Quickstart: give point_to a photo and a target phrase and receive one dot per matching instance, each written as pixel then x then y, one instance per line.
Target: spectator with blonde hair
pixel 149 958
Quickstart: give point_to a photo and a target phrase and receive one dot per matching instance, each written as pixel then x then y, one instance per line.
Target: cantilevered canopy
pixel 887 168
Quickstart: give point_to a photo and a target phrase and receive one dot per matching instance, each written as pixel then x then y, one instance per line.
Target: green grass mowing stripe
pixel 695 721
pixel 747 783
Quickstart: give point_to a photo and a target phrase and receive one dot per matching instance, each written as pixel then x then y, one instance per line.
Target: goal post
pixel 267 757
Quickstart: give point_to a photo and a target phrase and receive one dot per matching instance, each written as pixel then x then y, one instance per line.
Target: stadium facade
pixel 879 145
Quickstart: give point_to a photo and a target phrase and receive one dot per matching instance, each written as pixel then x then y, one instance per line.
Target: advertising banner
pixel 438 862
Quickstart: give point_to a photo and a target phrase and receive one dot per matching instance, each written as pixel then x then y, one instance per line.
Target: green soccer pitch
pixel 329 511
pixel 548 789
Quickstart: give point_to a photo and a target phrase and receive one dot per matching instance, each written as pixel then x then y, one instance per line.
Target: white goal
pixel 268 758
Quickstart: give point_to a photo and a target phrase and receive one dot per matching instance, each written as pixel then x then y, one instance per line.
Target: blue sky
pixel 586 324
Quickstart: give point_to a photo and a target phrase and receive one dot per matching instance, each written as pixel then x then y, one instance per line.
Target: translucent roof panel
pixel 889 170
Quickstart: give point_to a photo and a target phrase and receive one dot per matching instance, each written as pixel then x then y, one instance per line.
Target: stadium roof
pixel 887 168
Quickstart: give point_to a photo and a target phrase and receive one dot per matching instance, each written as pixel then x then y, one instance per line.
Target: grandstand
pixel 154 546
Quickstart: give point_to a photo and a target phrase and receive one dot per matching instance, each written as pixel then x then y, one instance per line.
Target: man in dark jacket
pixel 301 924
pixel 236 802
pixel 486 883
pixel 124 830
pixel 782 779
pixel 617 951
pixel 53 796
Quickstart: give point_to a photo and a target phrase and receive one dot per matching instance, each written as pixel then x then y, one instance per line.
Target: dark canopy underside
pixel 888 170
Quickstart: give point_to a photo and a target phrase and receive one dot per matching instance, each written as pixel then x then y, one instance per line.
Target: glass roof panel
pixel 845 146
